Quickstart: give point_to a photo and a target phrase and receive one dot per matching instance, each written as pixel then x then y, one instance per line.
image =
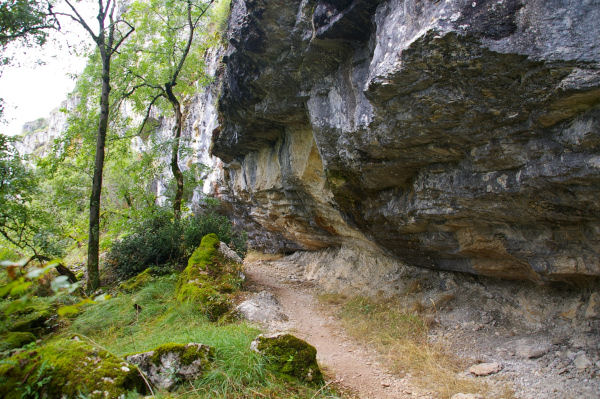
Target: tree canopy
pixel 26 20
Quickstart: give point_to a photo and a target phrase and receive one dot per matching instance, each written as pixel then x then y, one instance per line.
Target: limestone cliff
pixel 455 135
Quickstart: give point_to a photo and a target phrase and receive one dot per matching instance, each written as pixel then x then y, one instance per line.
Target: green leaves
pixel 24 222
pixel 26 20
pixel 167 47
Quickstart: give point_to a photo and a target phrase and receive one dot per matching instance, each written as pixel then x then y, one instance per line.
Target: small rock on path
pixel 485 369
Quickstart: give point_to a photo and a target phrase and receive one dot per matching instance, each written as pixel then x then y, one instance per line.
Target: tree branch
pixel 124 37
pixel 190 39
pixel 80 20
pixel 60 268
pixel 148 110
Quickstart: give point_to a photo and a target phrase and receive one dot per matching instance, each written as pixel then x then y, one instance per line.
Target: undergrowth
pixel 121 328
pixel 400 336
pixel 160 240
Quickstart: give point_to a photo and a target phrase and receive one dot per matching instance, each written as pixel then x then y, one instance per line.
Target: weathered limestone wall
pixel 453 135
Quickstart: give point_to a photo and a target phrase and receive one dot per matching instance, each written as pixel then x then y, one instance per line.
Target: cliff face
pixel 37 136
pixel 453 135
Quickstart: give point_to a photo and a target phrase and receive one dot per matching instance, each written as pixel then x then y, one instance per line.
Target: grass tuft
pixel 237 371
pixel 399 332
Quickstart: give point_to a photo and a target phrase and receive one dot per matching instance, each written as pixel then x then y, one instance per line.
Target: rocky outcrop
pixel 455 135
pixel 262 307
pixel 37 137
pixel 289 356
pixel 172 364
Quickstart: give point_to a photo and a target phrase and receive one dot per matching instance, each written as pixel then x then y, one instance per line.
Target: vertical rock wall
pixel 454 135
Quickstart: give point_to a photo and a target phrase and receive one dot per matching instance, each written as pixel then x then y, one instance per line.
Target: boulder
pixel 65 368
pixel 262 307
pixel 136 282
pixel 13 340
pixel 484 369
pixel 170 364
pixel 289 356
pixel 582 362
pixel 229 253
pixel 530 349
pixel 210 279
pixel 33 317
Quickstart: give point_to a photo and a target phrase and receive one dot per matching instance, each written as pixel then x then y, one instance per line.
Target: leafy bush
pixel 200 225
pixel 163 242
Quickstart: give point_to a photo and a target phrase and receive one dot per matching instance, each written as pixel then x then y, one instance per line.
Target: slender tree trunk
pixel 94 237
pixel 175 151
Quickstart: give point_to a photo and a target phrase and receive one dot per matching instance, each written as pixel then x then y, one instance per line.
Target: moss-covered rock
pixel 13 340
pixel 171 363
pixel 289 356
pixel 209 279
pixel 206 257
pixel 68 368
pixel 137 282
pixel 29 316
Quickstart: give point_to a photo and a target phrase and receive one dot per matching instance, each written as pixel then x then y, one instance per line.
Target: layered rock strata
pixel 454 135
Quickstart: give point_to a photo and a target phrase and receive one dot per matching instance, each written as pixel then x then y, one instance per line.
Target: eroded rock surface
pixel 172 364
pixel 262 307
pixel 456 135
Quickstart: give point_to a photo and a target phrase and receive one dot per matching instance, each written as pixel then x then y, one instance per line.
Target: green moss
pixel 29 316
pixel 229 282
pixel 68 368
pixel 13 340
pixel 291 357
pixel 137 282
pixel 204 256
pixel 187 353
pixel 212 303
pixel 209 279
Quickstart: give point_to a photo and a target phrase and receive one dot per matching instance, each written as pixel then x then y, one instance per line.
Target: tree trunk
pixel 94 237
pixel 175 151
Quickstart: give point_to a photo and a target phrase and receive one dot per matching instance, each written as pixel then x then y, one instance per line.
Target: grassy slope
pixel 238 372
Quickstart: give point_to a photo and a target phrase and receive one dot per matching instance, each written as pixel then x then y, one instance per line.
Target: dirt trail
pixel 346 362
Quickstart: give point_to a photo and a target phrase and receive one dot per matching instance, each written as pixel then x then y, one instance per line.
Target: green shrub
pixel 200 225
pixel 155 241
pixel 163 243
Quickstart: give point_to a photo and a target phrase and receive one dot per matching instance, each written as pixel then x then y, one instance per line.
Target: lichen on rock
pixel 289 356
pixel 68 368
pixel 209 279
pixel 172 363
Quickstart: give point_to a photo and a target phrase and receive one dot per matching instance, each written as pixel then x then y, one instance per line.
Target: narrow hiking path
pixel 346 363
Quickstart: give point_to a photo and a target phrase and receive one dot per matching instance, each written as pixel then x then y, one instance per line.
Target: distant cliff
pixel 37 136
pixel 455 135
